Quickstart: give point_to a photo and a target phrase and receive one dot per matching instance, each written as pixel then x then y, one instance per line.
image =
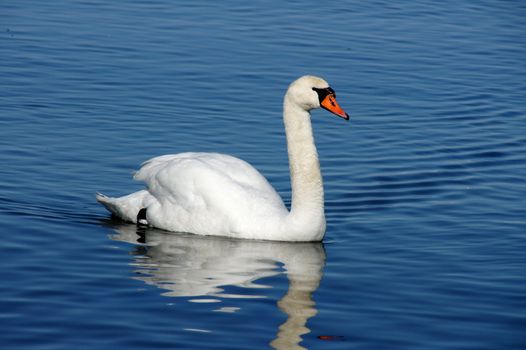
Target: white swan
pixel 217 194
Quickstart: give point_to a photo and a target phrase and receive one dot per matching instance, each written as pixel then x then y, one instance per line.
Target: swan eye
pixel 322 93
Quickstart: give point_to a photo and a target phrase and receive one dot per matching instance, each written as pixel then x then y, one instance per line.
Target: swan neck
pixel 306 180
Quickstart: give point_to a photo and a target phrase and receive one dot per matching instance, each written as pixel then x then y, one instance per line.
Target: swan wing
pixel 200 192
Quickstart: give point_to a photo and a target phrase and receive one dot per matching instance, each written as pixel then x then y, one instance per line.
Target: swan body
pixel 220 195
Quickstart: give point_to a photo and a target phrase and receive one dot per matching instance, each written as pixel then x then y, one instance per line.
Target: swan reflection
pixel 196 267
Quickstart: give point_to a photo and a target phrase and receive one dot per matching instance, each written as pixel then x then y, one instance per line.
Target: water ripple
pixel 424 186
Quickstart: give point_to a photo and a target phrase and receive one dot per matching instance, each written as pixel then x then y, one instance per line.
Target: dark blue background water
pixel 425 186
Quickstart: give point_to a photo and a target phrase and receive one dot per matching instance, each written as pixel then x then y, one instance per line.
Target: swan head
pixel 310 92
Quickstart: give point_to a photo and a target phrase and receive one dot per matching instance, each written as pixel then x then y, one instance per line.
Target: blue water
pixel 425 186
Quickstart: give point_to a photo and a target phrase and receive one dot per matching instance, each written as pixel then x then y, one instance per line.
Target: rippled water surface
pixel 425 186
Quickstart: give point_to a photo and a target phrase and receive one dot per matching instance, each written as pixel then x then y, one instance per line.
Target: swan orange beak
pixel 329 103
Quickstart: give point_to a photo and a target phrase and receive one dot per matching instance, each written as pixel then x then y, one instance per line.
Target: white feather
pixel 217 194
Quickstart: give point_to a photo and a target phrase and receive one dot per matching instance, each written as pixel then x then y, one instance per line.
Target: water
pixel 425 185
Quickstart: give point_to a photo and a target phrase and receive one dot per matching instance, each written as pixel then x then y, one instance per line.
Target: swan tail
pixel 128 207
pixel 108 203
